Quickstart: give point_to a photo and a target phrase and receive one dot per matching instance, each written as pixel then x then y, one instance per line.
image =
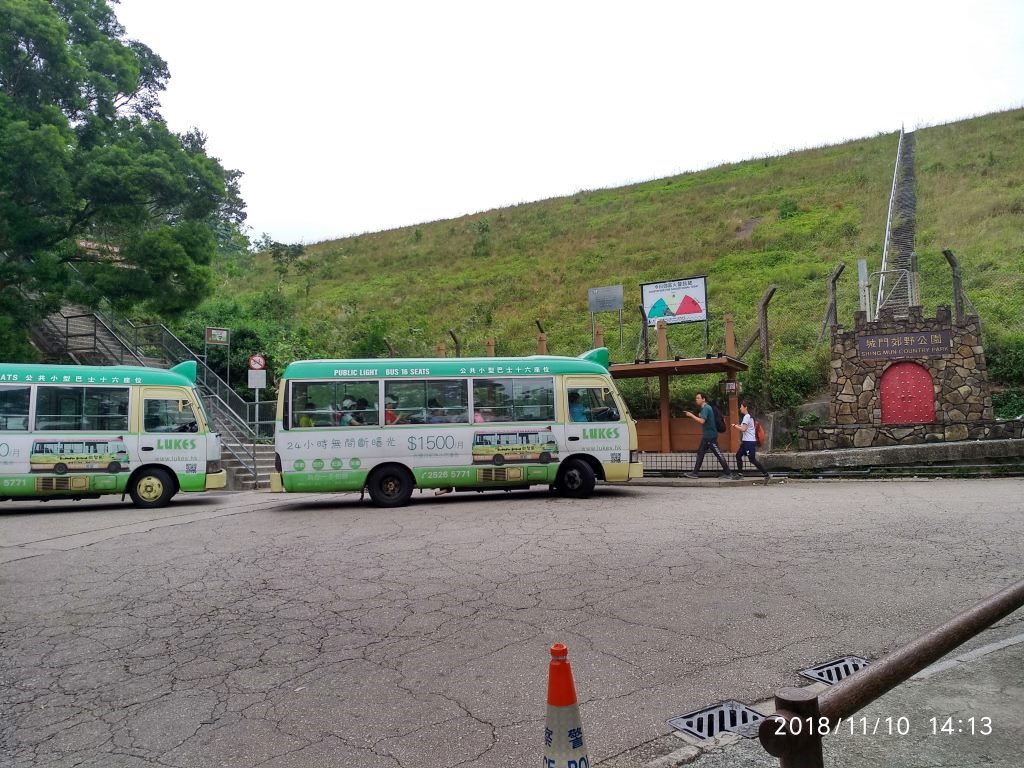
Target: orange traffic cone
pixel 563 731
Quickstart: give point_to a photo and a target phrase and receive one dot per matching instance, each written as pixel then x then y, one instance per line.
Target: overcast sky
pixel 350 117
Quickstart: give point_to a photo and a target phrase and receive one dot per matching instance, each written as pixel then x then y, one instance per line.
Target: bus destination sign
pixel 898 346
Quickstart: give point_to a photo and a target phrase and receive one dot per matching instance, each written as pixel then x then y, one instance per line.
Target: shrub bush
pixel 1005 359
pixel 786 383
pixel 788 209
pixel 1008 404
pixel 808 420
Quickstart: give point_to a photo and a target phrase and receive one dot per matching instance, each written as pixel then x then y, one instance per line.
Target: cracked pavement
pixel 253 629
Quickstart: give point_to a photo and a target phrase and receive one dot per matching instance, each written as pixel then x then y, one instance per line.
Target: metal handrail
pixel 57 333
pixel 220 397
pixel 123 346
pixel 262 417
pixel 888 224
pixel 243 449
pixel 171 346
pixel 902 275
pixel 785 735
pixel 99 344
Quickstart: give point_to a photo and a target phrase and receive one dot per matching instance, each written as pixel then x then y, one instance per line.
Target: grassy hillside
pixel 784 220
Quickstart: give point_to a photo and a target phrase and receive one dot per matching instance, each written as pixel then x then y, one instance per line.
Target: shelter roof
pixel 687 366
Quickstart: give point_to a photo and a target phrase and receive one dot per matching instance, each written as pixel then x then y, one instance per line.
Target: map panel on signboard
pixel 676 301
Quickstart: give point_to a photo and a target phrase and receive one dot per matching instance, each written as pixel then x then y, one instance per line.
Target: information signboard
pixel 605 299
pixel 218 337
pixel 676 301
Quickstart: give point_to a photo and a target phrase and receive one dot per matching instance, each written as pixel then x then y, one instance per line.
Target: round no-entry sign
pixel 257 362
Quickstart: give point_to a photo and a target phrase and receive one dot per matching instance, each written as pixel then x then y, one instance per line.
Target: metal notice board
pixel 608 298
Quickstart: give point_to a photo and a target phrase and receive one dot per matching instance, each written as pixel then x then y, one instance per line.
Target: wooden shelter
pixel 667 434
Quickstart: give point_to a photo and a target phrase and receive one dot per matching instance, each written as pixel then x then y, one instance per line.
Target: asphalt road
pixel 255 629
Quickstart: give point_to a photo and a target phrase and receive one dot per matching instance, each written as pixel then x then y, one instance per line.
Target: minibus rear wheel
pixel 391 486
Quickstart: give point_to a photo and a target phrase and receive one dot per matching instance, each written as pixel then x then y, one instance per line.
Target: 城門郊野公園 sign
pixel 897 346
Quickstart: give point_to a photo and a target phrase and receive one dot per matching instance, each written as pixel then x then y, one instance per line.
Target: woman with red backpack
pixel 748 442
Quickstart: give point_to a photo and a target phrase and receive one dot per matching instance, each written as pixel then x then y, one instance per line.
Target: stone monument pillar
pixel 906 381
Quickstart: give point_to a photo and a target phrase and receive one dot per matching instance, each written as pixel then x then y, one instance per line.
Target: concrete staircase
pixel 239 477
pixel 901 288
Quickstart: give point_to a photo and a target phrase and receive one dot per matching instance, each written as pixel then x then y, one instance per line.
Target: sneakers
pixel 723 476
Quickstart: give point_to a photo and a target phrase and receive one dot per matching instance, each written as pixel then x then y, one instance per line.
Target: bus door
pixel 169 431
pixel 594 419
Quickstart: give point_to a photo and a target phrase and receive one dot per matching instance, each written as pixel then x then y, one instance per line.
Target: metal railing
pixel 157 340
pixel 678 462
pixel 229 410
pixel 262 418
pixel 125 353
pixel 786 734
pixel 903 276
pixel 85 335
pixel 888 221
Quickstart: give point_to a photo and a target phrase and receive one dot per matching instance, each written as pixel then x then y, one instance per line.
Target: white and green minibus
pixel 393 425
pixel 75 432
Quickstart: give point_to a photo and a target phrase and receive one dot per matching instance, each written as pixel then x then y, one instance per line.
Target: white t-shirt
pixel 749 430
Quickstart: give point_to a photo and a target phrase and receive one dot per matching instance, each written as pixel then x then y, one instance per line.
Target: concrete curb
pixel 711 482
pixel 895 455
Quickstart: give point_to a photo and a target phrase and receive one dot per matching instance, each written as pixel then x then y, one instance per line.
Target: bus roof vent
pixel 186 369
pixel 599 356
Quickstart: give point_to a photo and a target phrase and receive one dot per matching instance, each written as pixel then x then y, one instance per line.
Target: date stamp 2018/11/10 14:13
pixel 886 726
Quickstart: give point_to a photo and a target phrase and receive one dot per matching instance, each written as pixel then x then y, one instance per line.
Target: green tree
pixel 98 198
pixel 284 256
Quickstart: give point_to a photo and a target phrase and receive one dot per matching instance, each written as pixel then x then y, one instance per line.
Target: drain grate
pixel 831 672
pixel 710 721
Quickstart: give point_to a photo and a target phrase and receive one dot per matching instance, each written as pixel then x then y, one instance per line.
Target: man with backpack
pixel 709 436
pixel 752 436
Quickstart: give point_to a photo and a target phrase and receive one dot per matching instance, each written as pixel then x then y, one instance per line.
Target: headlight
pixel 212 466
pixel 634 457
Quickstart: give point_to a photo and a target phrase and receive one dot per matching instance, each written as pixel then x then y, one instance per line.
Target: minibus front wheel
pixel 576 479
pixel 151 487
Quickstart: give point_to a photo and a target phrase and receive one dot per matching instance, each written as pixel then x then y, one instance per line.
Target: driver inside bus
pixel 577 410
